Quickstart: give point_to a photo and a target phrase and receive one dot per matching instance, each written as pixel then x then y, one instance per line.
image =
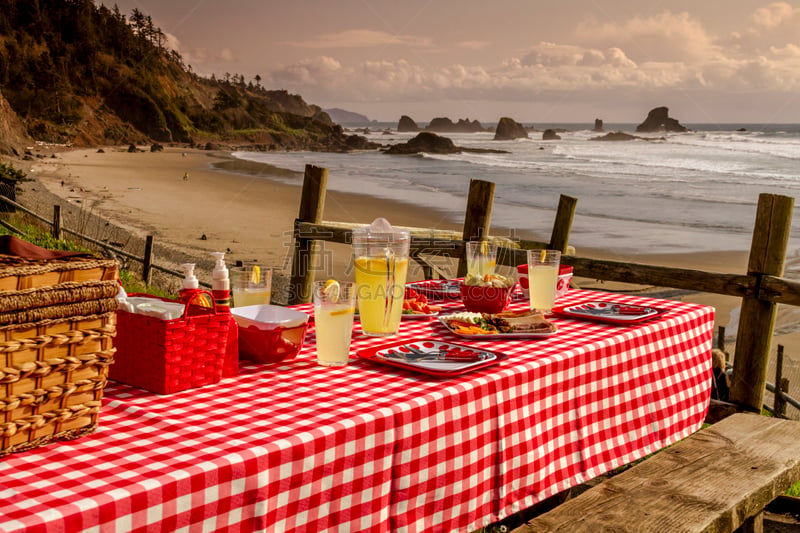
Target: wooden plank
pixel 57 222
pixel 779 290
pixel 147 261
pixel 478 217
pixel 312 205
pixel 679 278
pixel 559 239
pixel 767 257
pixel 713 481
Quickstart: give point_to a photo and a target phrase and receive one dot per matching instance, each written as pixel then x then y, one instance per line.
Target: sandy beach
pixel 226 205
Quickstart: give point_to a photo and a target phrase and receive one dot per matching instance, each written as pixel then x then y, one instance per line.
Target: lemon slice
pixel 542 256
pixel 331 290
pixel 344 311
pixel 255 277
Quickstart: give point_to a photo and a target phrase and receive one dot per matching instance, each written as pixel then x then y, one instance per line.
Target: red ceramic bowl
pixel 269 333
pixel 485 299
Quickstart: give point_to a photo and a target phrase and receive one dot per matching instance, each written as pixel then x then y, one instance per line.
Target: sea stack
pixel 598 125
pixel 509 129
pixel 407 124
pixel 445 125
pixel 658 120
pixel 550 135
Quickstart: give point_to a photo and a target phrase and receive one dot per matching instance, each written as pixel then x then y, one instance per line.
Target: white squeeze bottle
pixel 220 280
pixel 191 286
pixel 221 289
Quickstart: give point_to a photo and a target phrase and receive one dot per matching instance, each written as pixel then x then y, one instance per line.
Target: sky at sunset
pixel 709 61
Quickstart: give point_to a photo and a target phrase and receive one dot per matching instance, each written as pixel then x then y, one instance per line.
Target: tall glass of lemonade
pixel 543 278
pixel 381 266
pixel 334 307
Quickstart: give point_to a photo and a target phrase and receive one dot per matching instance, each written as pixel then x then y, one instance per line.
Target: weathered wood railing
pixel 761 288
pixel 57 230
pixel 309 228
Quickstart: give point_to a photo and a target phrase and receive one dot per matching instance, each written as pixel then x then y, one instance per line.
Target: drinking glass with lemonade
pixel 381 267
pixel 481 258
pixel 334 308
pixel 543 278
pixel 250 285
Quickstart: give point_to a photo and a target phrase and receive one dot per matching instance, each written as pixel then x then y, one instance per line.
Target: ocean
pixel 674 193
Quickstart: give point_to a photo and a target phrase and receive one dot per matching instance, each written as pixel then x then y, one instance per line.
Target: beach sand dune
pixel 226 204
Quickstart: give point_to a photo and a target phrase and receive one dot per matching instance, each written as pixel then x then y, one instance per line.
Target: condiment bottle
pixel 220 288
pixel 191 287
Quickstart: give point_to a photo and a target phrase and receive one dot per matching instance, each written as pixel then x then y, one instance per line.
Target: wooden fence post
pixel 757 317
pixel 147 262
pixel 721 340
pixel 312 204
pixel 559 240
pixel 779 404
pixel 478 217
pixel 57 221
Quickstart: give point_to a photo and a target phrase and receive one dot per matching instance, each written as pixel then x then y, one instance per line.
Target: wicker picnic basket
pixel 168 356
pixel 57 324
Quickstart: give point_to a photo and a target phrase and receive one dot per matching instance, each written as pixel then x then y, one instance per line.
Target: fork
pixel 438 355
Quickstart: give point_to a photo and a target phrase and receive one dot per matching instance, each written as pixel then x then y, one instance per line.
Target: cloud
pixel 774 27
pixel 773 15
pixel 199 56
pixel 361 39
pixel 473 45
pixel 555 55
pixel 661 54
pixel 311 72
pixel 663 37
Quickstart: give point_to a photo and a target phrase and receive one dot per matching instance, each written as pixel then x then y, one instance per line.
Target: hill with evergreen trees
pixel 74 72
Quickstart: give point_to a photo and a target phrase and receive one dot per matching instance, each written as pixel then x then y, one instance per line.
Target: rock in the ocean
pixel 598 125
pixel 508 129
pixel 550 135
pixel 407 124
pixel 431 143
pixel 424 142
pixel 358 142
pixel 155 147
pixel 616 136
pixel 464 125
pixel 658 120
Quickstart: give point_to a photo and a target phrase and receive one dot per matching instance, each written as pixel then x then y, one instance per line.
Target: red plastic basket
pixel 166 356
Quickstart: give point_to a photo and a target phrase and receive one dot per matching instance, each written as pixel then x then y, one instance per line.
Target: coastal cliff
pixel 85 75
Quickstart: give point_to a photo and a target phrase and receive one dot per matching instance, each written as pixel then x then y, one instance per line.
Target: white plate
pixel 419 316
pixel 434 368
pixel 497 336
pixel 450 288
pixel 610 312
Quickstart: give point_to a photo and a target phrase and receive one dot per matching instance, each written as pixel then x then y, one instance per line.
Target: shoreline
pixel 149 196
pixel 227 205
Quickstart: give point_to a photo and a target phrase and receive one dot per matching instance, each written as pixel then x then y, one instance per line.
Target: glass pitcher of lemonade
pixel 381 265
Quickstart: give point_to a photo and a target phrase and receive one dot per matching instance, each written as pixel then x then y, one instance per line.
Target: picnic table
pixel 296 447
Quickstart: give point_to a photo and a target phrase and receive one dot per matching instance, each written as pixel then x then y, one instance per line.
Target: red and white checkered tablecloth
pixel 299 447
